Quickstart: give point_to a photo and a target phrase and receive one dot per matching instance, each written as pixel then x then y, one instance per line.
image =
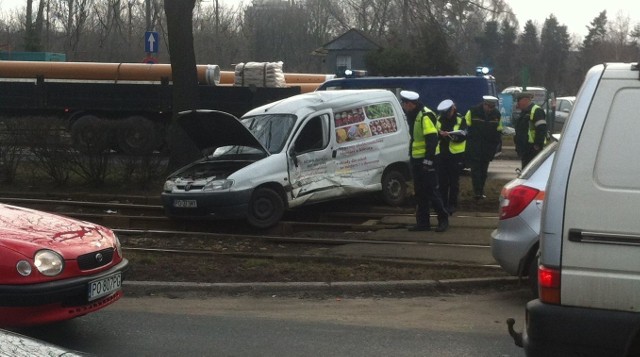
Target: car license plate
pixel 185 203
pixel 105 286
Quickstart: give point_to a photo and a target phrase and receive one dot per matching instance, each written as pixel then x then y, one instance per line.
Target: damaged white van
pixel 304 149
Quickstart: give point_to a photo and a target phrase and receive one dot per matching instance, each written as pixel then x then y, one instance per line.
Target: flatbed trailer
pixel 129 113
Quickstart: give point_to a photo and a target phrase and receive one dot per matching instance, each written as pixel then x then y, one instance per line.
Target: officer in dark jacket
pixel 484 134
pixel 531 128
pixel 423 151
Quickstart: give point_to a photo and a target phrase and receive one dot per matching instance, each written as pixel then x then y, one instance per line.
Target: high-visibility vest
pixel 421 127
pixel 456 147
pixel 532 125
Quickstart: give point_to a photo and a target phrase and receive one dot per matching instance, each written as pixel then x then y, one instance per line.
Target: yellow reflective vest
pixel 455 147
pixel 422 127
pixel 532 124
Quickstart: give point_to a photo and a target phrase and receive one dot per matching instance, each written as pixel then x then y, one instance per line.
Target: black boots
pixel 443 223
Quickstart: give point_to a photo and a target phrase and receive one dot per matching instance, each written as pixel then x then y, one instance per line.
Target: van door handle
pixel 334 153
pixel 580 236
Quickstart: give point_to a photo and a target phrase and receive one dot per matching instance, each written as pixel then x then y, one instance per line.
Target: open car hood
pixel 211 129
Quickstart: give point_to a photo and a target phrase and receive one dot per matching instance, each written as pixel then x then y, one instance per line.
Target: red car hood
pixel 24 229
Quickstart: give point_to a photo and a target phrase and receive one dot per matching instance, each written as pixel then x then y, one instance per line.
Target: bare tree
pixel 179 15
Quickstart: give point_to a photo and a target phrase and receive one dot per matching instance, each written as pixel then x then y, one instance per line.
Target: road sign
pixel 151 42
pixel 150 60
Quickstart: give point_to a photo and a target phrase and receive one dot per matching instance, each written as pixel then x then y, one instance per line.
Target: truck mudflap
pixel 517 336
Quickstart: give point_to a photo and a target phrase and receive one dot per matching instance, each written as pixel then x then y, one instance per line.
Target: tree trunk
pixel 185 78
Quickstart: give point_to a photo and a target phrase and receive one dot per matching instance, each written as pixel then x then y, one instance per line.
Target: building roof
pixel 352 40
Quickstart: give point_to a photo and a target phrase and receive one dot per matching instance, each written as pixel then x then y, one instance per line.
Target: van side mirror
pixel 293 156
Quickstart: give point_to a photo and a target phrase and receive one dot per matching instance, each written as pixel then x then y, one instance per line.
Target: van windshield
pixel 271 130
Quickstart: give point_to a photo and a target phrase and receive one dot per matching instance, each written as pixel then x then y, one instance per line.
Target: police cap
pixel 524 95
pixel 407 95
pixel 445 105
pixel 490 99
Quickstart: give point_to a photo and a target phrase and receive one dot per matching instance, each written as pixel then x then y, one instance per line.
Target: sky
pixel 576 15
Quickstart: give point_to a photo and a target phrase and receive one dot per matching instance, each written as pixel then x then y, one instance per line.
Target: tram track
pixel 316 242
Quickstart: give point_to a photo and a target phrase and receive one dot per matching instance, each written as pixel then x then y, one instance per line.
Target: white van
pixel 589 265
pixel 304 149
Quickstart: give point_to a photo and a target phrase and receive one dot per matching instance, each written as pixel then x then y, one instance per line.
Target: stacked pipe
pixel 207 74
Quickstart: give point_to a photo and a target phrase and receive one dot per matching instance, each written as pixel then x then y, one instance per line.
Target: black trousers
pixel 427 193
pixel 479 169
pixel 449 168
pixel 528 155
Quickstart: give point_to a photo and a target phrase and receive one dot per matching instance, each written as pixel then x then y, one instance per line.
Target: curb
pixel 400 287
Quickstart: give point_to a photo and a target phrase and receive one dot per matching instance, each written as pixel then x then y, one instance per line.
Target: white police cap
pixel 490 99
pixel 409 95
pixel 445 105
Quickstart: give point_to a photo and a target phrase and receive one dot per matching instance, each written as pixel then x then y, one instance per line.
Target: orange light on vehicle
pixel 549 285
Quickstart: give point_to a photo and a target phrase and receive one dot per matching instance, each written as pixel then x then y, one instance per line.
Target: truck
pixel 465 91
pixel 124 106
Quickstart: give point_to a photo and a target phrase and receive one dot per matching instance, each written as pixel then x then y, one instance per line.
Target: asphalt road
pixel 457 325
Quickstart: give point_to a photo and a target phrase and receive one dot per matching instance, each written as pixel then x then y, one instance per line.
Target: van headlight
pixel 217 185
pixel 169 185
pixel 48 262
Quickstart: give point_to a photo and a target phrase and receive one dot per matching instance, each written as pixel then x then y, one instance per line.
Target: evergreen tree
pixel 594 43
pixel 528 55
pixel 554 50
pixel 506 62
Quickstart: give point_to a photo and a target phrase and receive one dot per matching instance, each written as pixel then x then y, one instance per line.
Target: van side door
pixel 601 234
pixel 311 167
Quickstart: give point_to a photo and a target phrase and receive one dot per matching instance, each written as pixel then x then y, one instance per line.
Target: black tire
pixel 138 135
pixel 394 188
pixel 91 134
pixel 265 209
pixel 532 270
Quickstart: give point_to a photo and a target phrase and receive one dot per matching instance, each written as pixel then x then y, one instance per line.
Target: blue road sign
pixel 151 42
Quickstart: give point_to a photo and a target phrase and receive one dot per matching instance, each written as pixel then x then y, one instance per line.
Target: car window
pixel 565 105
pixel 272 130
pixel 314 135
pixel 538 160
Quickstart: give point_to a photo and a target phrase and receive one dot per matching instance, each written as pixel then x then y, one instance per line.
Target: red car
pixel 54 268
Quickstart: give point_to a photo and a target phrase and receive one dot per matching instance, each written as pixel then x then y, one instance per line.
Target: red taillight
pixel 549 285
pixel 515 200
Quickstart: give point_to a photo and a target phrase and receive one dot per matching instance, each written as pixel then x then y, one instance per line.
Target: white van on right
pixel 589 265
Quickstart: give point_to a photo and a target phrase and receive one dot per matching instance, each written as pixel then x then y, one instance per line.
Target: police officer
pixel 484 135
pixel 452 129
pixel 423 152
pixel 531 128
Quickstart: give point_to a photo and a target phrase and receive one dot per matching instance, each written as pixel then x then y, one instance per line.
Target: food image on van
pixel 304 149
pixel 379 119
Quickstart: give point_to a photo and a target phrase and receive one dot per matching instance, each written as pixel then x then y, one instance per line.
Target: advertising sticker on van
pixel 360 123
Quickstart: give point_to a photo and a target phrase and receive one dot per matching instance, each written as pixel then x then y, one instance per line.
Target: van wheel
pixel 266 208
pixel 394 188
pixel 533 276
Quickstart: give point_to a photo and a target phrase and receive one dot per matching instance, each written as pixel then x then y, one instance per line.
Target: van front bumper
pixel 555 330
pixel 223 205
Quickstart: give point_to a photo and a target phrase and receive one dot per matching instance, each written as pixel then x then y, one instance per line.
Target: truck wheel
pixel 394 188
pixel 138 135
pixel 91 134
pixel 265 209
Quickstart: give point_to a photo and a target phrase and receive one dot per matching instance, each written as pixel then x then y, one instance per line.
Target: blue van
pixel 465 91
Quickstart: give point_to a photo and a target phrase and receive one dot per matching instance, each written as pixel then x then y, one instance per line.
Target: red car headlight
pixel 48 262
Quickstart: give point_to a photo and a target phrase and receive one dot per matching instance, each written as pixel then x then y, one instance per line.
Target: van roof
pixel 303 104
